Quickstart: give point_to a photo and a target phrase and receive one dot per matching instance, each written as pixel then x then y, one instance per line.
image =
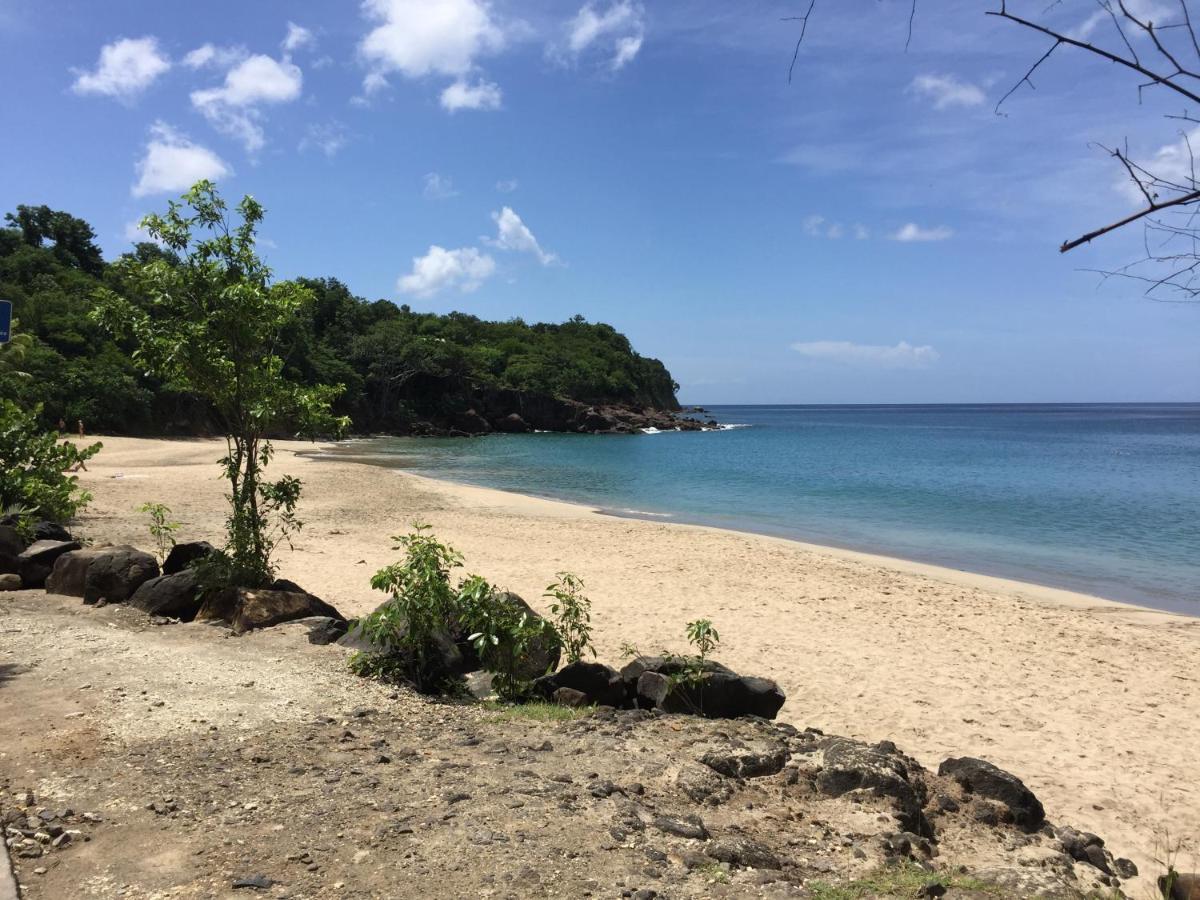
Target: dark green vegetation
pixel 35 479
pixel 399 368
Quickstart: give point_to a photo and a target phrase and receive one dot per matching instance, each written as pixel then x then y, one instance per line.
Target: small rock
pixel 258 882
pixel 685 827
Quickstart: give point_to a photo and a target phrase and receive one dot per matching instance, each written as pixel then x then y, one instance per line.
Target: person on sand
pixel 62 426
pixel 79 423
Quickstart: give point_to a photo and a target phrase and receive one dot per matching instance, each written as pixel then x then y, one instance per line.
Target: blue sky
pixel 871 232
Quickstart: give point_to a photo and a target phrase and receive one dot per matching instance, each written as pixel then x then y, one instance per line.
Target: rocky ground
pixel 143 759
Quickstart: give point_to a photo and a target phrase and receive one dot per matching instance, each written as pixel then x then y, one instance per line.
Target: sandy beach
pixel 1094 704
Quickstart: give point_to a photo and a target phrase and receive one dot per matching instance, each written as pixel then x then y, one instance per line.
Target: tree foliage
pixel 35 466
pixel 397 365
pixel 211 323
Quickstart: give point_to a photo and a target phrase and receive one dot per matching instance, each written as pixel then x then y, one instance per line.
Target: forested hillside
pixel 403 371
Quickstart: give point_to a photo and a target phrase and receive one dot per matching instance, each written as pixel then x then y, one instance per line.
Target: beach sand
pixel 1096 705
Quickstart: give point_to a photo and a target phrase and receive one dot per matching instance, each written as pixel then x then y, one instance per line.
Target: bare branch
pixel 1140 214
pixel 1026 78
pixel 803 20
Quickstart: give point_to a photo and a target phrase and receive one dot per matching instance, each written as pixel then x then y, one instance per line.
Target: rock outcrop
pixel 244 609
pixel 982 779
pixel 176 596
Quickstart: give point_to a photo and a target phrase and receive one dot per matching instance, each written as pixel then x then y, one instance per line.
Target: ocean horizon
pixel 1099 498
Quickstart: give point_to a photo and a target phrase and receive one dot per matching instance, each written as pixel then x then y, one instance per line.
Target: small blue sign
pixel 5 321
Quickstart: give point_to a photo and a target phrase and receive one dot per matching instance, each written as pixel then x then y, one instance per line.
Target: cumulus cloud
pixel 438 187
pixel 901 356
pixel 513 234
pixel 481 95
pixel 464 269
pixel 911 232
pixel 125 69
pixel 172 162
pixel 618 31
pixel 818 226
pixel 210 55
pixel 946 91
pixel 418 38
pixel 232 108
pixel 297 38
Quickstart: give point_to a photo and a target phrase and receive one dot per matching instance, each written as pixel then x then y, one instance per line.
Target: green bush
pixel 572 613
pixel 35 466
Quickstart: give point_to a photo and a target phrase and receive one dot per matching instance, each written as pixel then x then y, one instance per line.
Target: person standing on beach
pixel 62 426
pixel 79 423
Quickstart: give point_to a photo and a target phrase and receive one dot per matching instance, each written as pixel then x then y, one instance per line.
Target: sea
pixel 1098 498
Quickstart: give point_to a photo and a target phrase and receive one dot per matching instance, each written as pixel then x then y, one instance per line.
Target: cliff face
pixel 429 405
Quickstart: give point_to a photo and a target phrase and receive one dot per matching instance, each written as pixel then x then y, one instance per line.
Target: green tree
pixel 209 321
pixel 34 466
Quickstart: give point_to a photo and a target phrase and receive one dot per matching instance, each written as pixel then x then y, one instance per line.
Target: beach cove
pixel 1093 703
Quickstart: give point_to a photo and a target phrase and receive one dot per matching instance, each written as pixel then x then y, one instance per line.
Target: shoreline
pixel 965 577
pixel 1095 704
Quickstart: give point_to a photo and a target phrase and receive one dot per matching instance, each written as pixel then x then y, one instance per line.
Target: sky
pixel 871 231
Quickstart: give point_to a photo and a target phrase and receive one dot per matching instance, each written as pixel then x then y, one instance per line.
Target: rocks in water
pixel 245 609
pixel 183 555
pixel 601 685
pixel 738 850
pixel 848 765
pixel 105 573
pixel 176 595
pixel 36 562
pixel 512 424
pixel 983 779
pixel 10 582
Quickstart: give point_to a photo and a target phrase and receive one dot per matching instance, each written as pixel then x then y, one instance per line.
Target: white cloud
pixel 1172 164
pixel 210 55
pixel 441 269
pixel 619 30
pixel 902 356
pixel 233 107
pixel 297 38
pixel 125 69
pixel 861 232
pixel 506 185
pixel 482 95
pixel 947 91
pixel 172 162
pixel 1146 10
pixel 438 187
pixel 419 37
pixel 513 234
pixel 912 232
pixel 819 227
pixel 329 138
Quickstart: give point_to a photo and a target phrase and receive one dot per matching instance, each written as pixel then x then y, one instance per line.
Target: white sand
pixel 1094 704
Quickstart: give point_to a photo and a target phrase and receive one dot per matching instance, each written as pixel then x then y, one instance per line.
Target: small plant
pixel 630 651
pixel 161 530
pixel 503 634
pixel 423 605
pixel 572 616
pixel 703 637
pixel 35 466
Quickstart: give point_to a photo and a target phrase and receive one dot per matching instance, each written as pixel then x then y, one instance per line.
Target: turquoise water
pixel 1096 498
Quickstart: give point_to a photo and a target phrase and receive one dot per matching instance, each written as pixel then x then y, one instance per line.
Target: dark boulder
pixel 849 765
pixel 601 684
pixel 565 696
pixel 11 546
pixel 512 424
pixel 470 422
pixel 101 573
pixel 10 581
pixel 50 531
pixel 176 595
pixel 323 629
pixel 983 779
pixel 36 561
pixel 666 665
pixel 245 609
pixel 1179 885
pixel 183 555
pixel 715 695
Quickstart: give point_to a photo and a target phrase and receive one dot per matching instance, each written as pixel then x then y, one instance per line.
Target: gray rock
pixel 741 762
pixel 715 695
pixel 10 582
pixel 986 780
pixel 601 684
pixel 685 826
pixel 37 560
pixel 742 851
pixel 850 765
pixel 109 573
